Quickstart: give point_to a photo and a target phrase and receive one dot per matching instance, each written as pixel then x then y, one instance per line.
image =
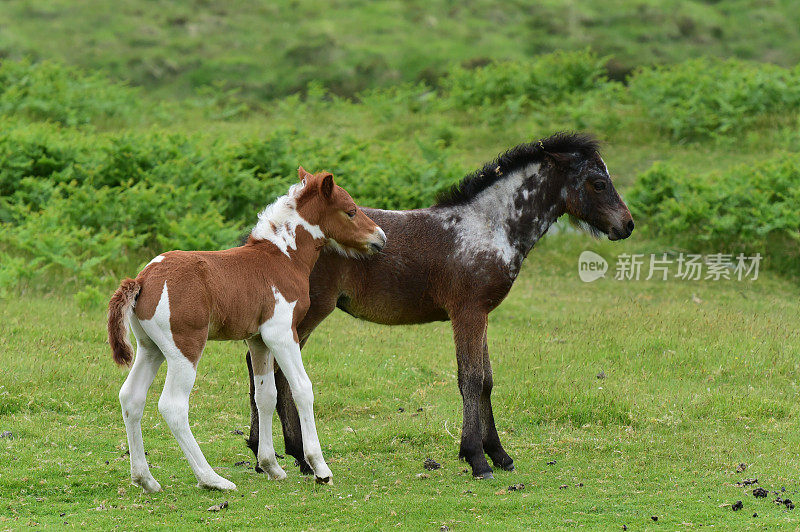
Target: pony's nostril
pixel 629 226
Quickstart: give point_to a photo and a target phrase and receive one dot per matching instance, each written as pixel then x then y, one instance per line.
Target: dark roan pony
pixel 457 260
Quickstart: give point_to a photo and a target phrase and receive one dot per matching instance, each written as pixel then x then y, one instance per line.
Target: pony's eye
pixel 351 214
pixel 599 185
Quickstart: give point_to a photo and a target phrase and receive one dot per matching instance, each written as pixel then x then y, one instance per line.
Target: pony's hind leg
pixel 265 396
pixel 132 398
pixel 181 373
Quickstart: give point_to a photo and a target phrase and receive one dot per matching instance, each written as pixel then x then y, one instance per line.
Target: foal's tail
pixel 119 311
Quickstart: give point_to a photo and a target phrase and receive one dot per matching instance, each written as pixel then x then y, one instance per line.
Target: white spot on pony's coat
pixel 158 327
pixel 158 258
pixel 482 221
pixel 278 222
pixel 604 166
pixel 279 326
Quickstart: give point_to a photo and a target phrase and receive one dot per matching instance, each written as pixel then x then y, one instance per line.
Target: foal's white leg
pixel 287 354
pixel 174 406
pixel 174 401
pixel 266 397
pixel 132 397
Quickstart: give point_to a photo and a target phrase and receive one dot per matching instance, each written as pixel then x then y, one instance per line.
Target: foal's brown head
pixel 590 197
pixel 346 227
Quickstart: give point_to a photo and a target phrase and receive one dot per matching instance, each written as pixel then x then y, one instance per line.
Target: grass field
pixel 699 377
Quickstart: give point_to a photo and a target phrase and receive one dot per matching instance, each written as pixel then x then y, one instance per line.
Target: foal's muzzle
pixel 378 240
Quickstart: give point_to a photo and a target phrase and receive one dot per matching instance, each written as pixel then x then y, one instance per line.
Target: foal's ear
pixel 326 186
pixel 302 174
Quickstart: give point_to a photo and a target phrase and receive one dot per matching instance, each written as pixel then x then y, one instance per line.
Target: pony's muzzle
pixel 378 240
pixel 623 232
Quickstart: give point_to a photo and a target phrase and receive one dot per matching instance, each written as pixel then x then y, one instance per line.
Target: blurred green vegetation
pixel 271 49
pixel 138 127
pixel 95 178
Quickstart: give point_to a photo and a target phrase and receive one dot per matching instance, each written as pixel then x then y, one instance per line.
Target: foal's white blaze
pixel 279 221
pixel 279 338
pixel 174 401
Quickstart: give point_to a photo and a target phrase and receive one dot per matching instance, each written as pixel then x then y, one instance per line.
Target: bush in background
pixel 51 92
pixel 710 98
pixel 546 78
pixel 749 208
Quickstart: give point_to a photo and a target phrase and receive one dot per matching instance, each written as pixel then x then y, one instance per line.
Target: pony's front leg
pixel 264 397
pixel 491 440
pixel 287 353
pixel 469 328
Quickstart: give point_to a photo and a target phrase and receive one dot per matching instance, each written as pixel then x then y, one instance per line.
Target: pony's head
pixel 589 196
pixel 347 229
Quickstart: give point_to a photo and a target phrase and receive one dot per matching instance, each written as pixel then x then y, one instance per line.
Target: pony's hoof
pixel 505 465
pixel 218 483
pixel 148 484
pixel 327 480
pixel 484 476
pixel 305 469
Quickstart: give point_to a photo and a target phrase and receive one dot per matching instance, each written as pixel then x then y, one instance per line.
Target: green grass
pixel 270 49
pixel 691 390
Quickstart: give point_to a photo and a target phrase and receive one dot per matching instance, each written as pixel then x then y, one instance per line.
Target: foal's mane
pixel 277 213
pixel 512 160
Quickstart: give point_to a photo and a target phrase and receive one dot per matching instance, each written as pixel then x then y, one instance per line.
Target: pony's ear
pixel 560 160
pixel 326 186
pixel 302 174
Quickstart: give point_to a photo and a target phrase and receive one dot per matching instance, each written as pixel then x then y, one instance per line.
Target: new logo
pixel 591 266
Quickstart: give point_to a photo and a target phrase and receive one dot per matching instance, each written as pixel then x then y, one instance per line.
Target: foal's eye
pixel 599 185
pixel 351 214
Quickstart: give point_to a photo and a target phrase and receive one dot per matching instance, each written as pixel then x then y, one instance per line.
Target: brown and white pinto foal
pixel 257 292
pixel 457 260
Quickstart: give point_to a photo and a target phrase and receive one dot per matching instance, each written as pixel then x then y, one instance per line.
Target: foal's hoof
pixel 327 480
pixel 218 483
pixel 148 484
pixel 275 472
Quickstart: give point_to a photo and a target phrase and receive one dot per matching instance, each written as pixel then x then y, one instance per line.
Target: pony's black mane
pixel 514 159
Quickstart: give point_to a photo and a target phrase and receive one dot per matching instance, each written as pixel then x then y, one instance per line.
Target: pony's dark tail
pixel 119 311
